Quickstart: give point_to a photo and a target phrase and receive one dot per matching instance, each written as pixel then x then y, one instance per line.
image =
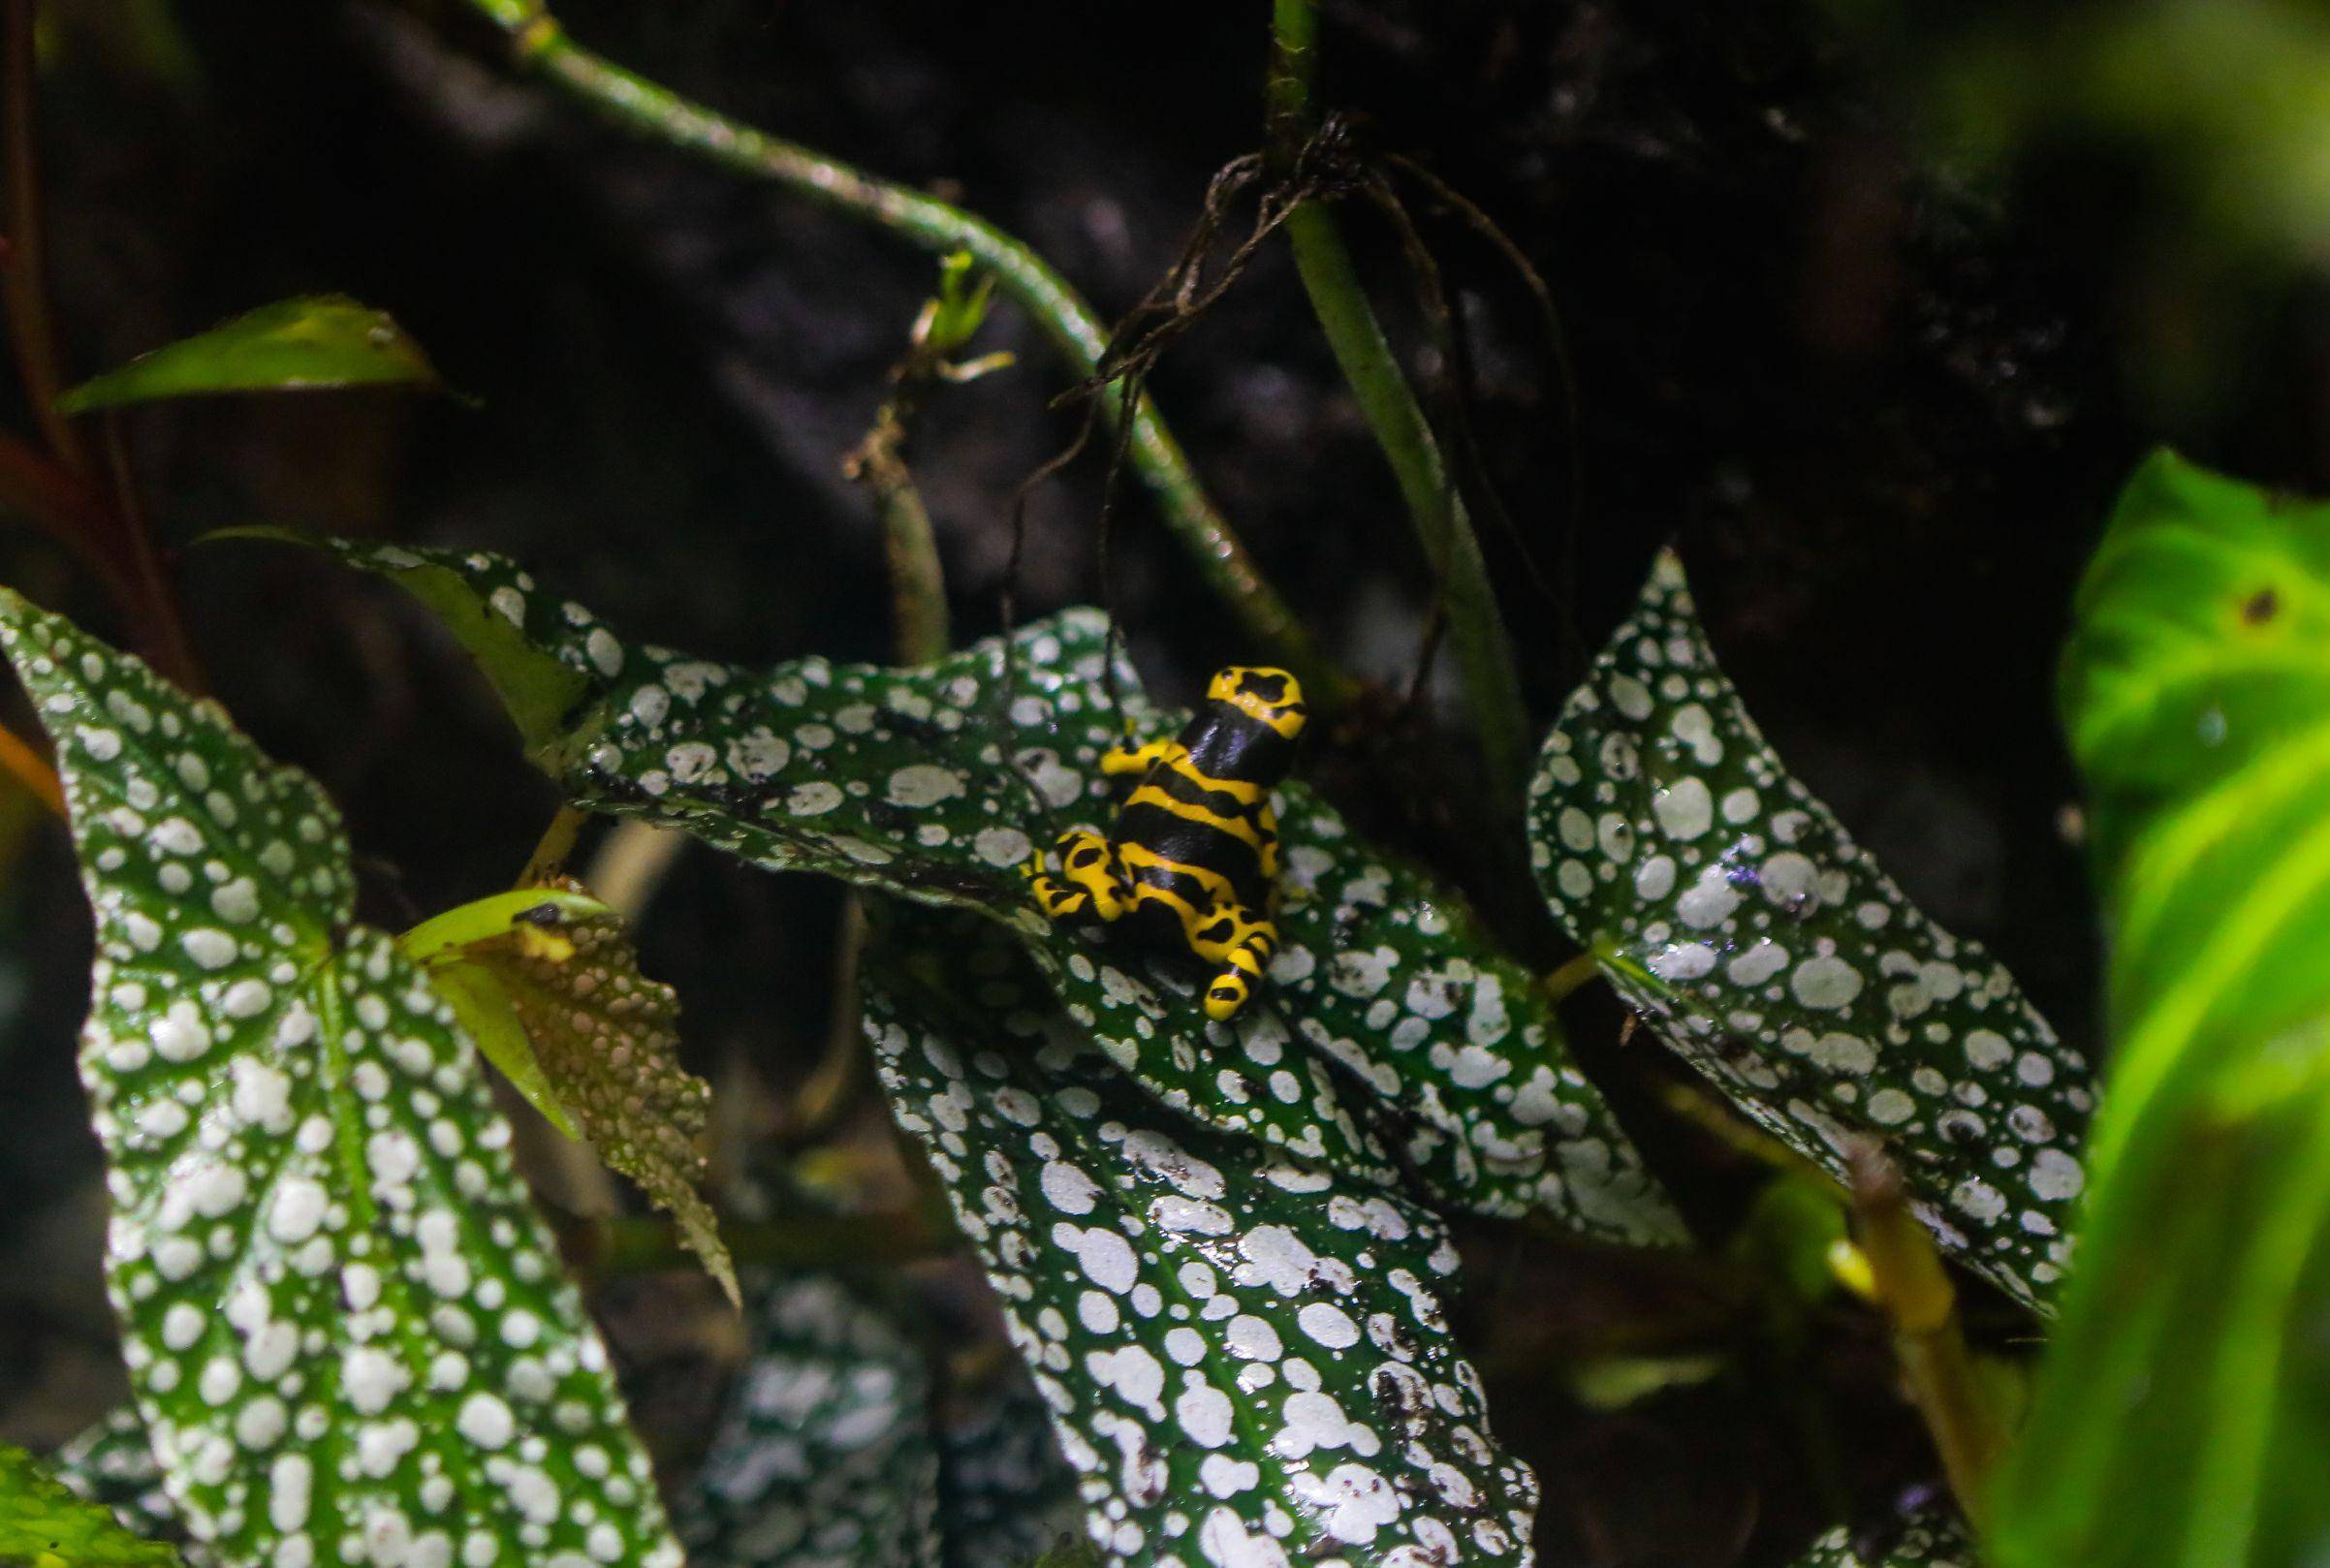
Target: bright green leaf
pixel 1390 1030
pixel 489 1019
pixel 45 1525
pixel 1728 904
pixel 343 1322
pixel 554 979
pixel 1243 1353
pixel 294 345
pixel 2183 1412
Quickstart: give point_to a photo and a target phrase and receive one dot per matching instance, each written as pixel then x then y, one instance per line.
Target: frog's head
pixel 1270 697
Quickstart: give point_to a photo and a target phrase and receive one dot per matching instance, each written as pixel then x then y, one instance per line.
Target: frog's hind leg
pixel 1090 879
pixel 1242 942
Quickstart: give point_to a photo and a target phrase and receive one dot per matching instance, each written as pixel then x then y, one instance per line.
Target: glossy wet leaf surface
pixel 346 1329
pixel 596 1041
pixel 2183 1411
pixel 45 1525
pixel 1728 904
pixel 1390 1031
pixel 293 345
pixel 1243 1353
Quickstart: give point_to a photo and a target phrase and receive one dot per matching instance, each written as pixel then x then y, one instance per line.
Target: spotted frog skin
pixel 1193 862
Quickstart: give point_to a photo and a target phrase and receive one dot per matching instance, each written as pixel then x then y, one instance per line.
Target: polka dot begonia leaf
pixel 1243 1353
pixel 2183 1407
pixel 825 1456
pixel 44 1525
pixel 837 1449
pixel 1391 1033
pixel 1928 1541
pixel 347 1331
pixel 1728 904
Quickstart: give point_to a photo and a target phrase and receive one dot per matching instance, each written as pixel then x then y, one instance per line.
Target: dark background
pixel 1877 390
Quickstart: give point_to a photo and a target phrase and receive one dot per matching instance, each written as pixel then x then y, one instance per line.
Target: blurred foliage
pixel 2180 1418
pixel 2194 130
pixel 44 1526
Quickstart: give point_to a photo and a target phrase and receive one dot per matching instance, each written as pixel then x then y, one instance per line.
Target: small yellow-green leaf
pixel 44 1526
pixel 551 989
pixel 485 1010
pixel 306 344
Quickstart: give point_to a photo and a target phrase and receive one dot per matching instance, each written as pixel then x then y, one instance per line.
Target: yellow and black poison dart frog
pixel 1193 864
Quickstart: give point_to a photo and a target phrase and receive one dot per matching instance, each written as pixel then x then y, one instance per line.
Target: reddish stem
pixel 56 490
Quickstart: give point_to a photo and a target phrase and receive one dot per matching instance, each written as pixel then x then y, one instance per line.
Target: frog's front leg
pixel 1242 942
pixel 1089 878
pixel 1118 761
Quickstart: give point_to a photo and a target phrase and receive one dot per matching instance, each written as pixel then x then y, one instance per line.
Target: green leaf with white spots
pixel 2183 1412
pixel 547 984
pixel 111 1463
pixel 826 1455
pixel 837 1448
pixel 1728 904
pixel 1391 1031
pixel 347 1331
pixel 308 344
pixel 45 1525
pixel 1243 1353
pixel 1928 1541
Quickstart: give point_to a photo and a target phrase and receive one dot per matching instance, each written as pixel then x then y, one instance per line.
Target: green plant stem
pixel 556 843
pixel 1571 977
pixel 1917 1298
pixel 540 46
pixel 918 590
pixel 1476 624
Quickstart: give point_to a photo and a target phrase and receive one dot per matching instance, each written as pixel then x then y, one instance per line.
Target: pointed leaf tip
pixel 1728 903
pixel 313 343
